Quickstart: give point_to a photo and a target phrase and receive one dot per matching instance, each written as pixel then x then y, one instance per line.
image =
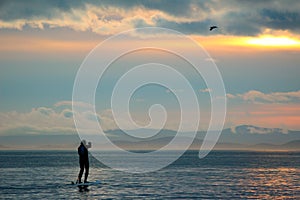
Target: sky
pixel 43 44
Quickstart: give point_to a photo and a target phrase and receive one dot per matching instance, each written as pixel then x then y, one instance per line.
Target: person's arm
pixel 89 145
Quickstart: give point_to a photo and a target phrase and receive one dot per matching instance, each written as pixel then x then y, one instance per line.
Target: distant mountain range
pixel 247 134
pixel 245 137
pixel 160 142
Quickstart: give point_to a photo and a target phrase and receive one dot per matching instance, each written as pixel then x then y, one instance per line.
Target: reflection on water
pixel 221 175
pixel 281 182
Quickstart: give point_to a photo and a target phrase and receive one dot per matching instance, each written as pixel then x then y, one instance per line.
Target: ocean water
pixel 220 175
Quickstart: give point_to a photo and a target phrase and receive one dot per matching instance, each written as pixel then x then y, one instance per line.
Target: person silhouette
pixel 83 160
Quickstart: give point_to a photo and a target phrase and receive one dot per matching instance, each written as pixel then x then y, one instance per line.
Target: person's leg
pixel 86 171
pixel 81 171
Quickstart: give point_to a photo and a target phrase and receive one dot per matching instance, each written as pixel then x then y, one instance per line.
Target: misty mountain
pixel 292 144
pixel 247 134
pixel 240 137
pixel 158 143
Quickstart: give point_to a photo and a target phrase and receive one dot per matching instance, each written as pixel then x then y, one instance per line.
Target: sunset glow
pixel 255 47
pixel 273 41
pixel 115 99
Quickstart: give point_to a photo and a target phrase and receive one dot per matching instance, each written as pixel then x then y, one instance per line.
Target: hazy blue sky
pixel 43 44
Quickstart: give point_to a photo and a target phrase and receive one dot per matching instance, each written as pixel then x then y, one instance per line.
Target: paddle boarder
pixel 83 160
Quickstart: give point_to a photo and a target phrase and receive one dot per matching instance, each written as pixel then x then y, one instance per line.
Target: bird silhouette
pixel 212 28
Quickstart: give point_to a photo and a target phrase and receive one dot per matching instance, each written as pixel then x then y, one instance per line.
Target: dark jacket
pixel 83 153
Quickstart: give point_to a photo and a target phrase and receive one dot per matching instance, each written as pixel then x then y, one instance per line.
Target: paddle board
pixel 97 182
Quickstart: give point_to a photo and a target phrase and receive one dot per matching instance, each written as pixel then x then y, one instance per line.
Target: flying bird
pixel 212 28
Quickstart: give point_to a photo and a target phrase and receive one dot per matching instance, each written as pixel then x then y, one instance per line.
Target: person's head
pixel 83 142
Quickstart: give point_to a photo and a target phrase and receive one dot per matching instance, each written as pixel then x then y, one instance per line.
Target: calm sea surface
pixel 221 175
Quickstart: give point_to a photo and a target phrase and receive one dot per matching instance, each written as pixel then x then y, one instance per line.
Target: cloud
pixel 206 90
pixel 36 9
pixel 272 110
pixel 230 96
pixel 280 19
pixel 253 129
pixel 57 119
pixel 255 96
pixel 257 130
pixel 190 17
pixel 70 103
pixel 271 115
pixel 38 120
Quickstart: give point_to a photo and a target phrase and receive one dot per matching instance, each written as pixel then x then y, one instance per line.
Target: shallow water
pixel 221 175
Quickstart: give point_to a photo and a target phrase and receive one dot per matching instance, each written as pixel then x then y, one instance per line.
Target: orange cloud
pixel 31 44
pixel 255 96
pixel 219 44
pixel 268 41
pixel 285 116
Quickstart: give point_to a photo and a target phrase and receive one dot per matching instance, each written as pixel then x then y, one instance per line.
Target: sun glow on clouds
pixel 273 41
pixel 227 43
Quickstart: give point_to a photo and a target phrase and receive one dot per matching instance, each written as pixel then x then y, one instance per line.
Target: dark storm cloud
pixel 31 9
pixel 197 27
pixel 174 7
pixel 45 8
pixel 280 19
pixel 235 17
